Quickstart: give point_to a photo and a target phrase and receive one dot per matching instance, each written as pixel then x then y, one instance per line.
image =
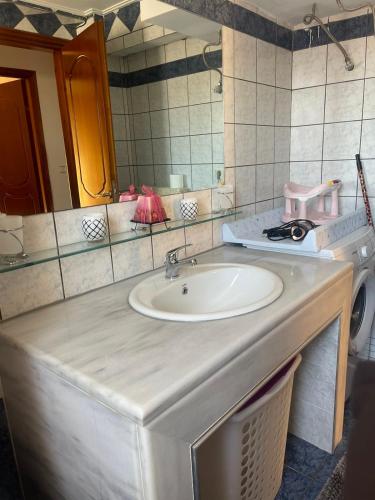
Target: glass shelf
pixel 180 223
pixel 142 231
pixel 164 227
pixel 31 260
pixel 82 247
pixel 134 234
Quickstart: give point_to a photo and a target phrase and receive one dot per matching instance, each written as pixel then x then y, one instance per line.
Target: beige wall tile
pixel 200 237
pixel 309 67
pixel 88 271
pixel 25 289
pixel 162 243
pixel 132 258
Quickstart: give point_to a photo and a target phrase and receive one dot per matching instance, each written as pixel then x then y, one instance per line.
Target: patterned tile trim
pixel 346 29
pixel 128 16
pixel 28 17
pixel 240 19
pixel 182 67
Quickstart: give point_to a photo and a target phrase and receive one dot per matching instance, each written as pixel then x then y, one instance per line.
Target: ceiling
pixel 290 11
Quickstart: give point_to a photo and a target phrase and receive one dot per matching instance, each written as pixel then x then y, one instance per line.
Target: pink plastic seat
pixel 304 202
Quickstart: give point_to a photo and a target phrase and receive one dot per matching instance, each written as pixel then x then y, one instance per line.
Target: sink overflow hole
pixel 185 289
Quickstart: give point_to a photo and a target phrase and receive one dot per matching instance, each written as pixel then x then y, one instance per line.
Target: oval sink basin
pixel 206 292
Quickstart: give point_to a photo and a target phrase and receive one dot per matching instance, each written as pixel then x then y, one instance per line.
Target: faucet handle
pixel 171 255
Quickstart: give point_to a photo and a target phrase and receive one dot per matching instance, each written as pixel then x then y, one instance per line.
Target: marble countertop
pixel 140 366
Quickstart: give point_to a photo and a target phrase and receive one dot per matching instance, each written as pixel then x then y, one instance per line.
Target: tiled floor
pixel 306 467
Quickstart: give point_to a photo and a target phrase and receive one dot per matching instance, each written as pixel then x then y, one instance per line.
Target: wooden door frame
pixel 31 41
pixel 67 130
pixel 34 41
pixel 34 117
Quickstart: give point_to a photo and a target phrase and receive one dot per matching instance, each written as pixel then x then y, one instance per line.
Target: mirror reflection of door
pixel 69 164
pixel 24 189
pixel 86 84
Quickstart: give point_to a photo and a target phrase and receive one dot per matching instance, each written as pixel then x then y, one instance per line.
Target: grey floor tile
pixel 293 486
pixel 303 457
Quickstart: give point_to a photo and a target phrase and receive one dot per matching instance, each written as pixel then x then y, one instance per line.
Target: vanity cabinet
pixel 115 406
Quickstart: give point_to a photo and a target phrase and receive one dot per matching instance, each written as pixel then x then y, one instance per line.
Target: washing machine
pixel 358 248
pixel 352 240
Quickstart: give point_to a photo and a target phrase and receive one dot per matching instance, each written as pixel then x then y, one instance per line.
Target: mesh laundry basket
pixel 244 458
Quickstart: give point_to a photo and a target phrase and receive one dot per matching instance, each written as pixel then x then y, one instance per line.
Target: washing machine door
pixel 363 309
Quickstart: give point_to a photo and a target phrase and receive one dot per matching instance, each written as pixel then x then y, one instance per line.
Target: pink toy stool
pixel 298 196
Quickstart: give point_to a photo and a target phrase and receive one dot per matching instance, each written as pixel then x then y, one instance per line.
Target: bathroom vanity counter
pixel 139 366
pixel 170 382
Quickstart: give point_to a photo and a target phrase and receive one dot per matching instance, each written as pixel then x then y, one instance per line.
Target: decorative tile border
pixel 181 67
pixel 345 29
pixel 116 79
pixel 28 17
pixel 124 19
pixel 240 19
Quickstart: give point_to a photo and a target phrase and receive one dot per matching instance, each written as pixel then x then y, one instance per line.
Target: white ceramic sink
pixel 206 292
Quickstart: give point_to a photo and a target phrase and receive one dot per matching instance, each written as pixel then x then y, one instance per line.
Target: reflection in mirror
pixel 33 172
pixel 167 106
pixel 55 123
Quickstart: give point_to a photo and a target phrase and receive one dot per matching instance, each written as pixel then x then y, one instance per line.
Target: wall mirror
pixel 80 120
pixel 167 106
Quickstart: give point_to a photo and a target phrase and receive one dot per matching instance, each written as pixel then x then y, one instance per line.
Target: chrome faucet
pixel 172 264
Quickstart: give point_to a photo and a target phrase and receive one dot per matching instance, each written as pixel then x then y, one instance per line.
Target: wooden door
pixel 84 66
pixel 19 185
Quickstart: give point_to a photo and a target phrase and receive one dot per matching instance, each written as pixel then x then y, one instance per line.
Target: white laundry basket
pixel 244 458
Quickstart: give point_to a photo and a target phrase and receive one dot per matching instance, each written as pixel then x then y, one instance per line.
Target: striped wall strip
pixel 240 19
pixel 181 67
pixel 346 29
